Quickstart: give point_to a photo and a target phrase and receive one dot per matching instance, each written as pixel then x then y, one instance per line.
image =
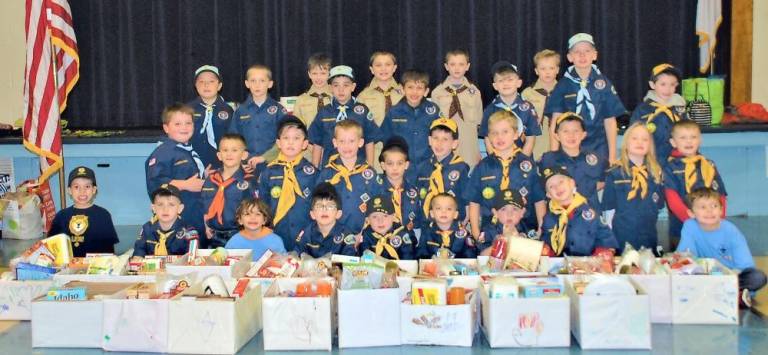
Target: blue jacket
pixel 177 243
pixel 244 186
pixel 258 124
pixel 411 123
pixel 585 232
pixel 221 114
pixel 401 241
pixel 461 243
pixel 409 199
pixel 455 173
pixel 339 241
pixel 587 169
pixel 353 202
pixel 322 127
pixel 522 108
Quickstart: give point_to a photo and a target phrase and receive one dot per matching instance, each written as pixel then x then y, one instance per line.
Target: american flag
pixel 51 46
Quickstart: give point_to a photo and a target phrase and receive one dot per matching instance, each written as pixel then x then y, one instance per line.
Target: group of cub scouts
pixel 256 173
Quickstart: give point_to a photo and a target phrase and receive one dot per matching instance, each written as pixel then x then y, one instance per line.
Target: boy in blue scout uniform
pixel 507 168
pixel 354 179
pixel 586 91
pixel 506 81
pixel 326 234
pixel 176 163
pixel 223 190
pixel 585 167
pixel 394 185
pixel 384 236
pixel 212 115
pixel 445 171
pixel 508 210
pixel 343 107
pixel 88 226
pixel 661 108
pixel 287 182
pixel 256 118
pixel 412 117
pixel 166 233
pixel 571 225
pixel 444 234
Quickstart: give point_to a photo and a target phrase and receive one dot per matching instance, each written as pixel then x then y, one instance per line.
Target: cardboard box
pixel 135 324
pixel 297 323
pixel 16 297
pixel 68 275
pixel 439 325
pixel 360 325
pixel 526 322
pixel 658 288
pixel 214 325
pixel 705 299
pixel 234 271
pixel 610 322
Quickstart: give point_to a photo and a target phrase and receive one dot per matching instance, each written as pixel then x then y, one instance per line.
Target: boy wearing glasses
pixel 325 235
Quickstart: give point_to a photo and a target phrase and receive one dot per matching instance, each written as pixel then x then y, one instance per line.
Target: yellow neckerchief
pixel 661 109
pixel 342 172
pixel 559 232
pixel 639 182
pixel 382 243
pixel 160 249
pixel 397 198
pixel 436 183
pixel 290 186
pixel 445 238
pixel 707 171
pixel 505 168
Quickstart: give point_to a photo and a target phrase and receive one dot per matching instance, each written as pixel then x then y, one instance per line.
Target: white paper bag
pixel 25 221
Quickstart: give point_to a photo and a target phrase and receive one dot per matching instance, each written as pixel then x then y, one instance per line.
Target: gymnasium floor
pixel 749 337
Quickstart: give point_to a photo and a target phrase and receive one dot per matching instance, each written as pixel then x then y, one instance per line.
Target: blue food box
pixel 26 271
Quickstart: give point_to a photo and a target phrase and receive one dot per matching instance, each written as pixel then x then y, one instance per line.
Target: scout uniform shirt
pixel 339 241
pixel 322 128
pixel 490 176
pixel 355 187
pixel 659 120
pixel 595 99
pixel 90 229
pixel 257 124
pixel 587 169
pixel 221 198
pixel 286 186
pixel 527 123
pixel 307 106
pixel 457 240
pixel 155 241
pixel 406 201
pixel 411 123
pixel 397 244
pixel 379 101
pixel 537 95
pixel 449 175
pixel 464 104
pixel 176 161
pixel 637 199
pixel 575 230
pixel 211 122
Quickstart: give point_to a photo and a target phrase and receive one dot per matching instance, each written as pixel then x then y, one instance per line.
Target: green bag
pixel 711 90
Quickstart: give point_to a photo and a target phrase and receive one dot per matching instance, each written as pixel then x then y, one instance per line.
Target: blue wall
pixel 740 157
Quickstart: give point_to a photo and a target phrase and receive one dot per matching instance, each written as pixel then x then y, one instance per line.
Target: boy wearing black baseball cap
pixel 383 235
pixel 166 233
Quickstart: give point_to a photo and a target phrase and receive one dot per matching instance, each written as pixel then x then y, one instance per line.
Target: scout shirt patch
pixel 461 233
pixel 368 174
pixel 242 185
pixel 588 214
pixel 472 91
pixel 338 238
pixel 349 239
pixel 307 192
pixel 599 84
pixel 453 175
pixel 430 110
pixel 411 193
pixel 526 166
pixel 651 127
pixel 406 238
pixel 523 191
pixel 591 159
pixel 272 110
pixel 396 241
pixel 655 197
pixel 525 106
pixel 275 191
pixel 488 193
pixel 223 115
pixel 359 109
pixel 422 193
pixel 152 162
pixel 309 169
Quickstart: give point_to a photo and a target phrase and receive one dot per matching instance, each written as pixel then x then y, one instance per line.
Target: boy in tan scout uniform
pixel 460 100
pixel 383 92
pixel 319 94
pixel 547 66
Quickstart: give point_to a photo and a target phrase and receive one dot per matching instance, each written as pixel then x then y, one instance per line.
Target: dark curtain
pixel 138 56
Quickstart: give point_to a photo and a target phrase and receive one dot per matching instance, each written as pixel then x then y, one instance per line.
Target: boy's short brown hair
pixel 546 53
pixel 233 137
pixel 382 53
pixel 417 76
pixel 702 193
pixel 504 115
pixel 258 66
pixel 685 124
pixel 456 52
pixel 321 60
pixel 348 125
pixel 444 195
pixel 177 107
pixel 247 203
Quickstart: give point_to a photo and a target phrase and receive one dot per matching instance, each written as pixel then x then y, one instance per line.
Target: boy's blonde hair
pixel 382 53
pixel 504 115
pixel 456 52
pixel 247 204
pixel 685 124
pixel 348 125
pixel 176 108
pixel 650 157
pixel 320 60
pixel 259 67
pixel 546 53
pixel 703 193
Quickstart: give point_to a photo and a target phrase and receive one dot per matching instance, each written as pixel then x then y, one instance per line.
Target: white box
pixel 411 267
pixel 706 299
pixel 65 276
pixel 16 297
pixel 659 290
pixel 526 322
pixel 135 324
pixel 234 271
pixel 439 325
pixel 369 318
pixel 214 326
pixel 543 269
pixel 610 322
pixel 297 323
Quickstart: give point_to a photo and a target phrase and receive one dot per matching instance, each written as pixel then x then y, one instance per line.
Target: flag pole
pixel 62 194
